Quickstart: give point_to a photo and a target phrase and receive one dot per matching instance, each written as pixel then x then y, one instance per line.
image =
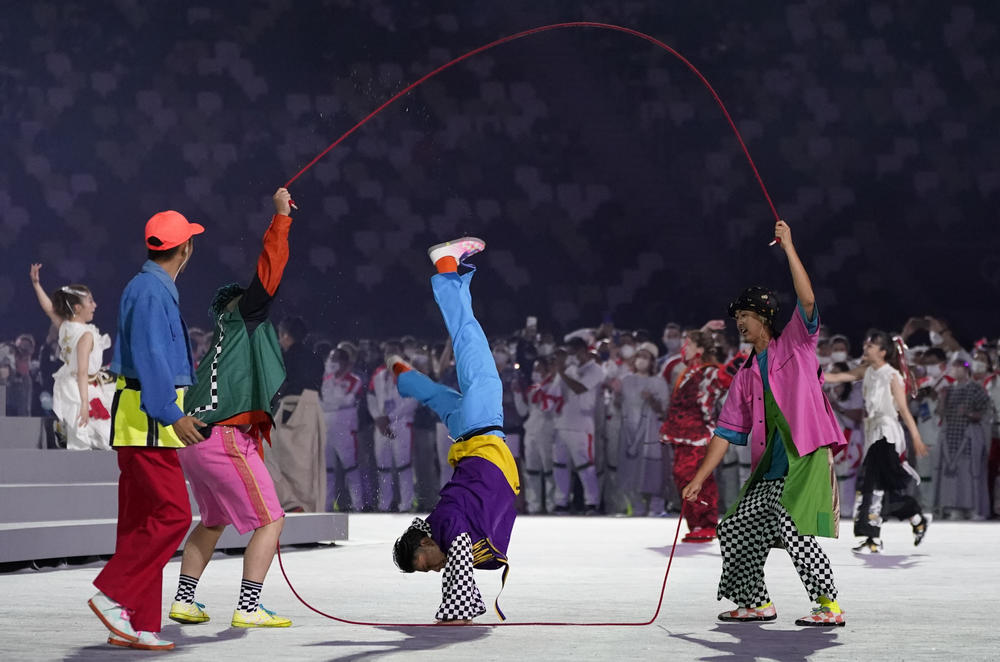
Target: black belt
pixel 133 384
pixel 475 433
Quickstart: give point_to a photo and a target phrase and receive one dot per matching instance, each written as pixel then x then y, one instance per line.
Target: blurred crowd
pixel 387 453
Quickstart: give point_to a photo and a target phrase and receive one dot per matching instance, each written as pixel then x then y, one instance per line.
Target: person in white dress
pixel 645 396
pixel 82 395
pixel 885 474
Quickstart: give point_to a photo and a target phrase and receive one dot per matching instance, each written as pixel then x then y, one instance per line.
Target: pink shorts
pixel 229 480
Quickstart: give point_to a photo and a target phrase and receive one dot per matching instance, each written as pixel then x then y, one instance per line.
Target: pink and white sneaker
pixel 114 616
pixel 748 614
pixel 823 617
pixel 456 248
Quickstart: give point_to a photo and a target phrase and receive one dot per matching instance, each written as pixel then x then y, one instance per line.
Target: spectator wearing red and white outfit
pixel 580 379
pixel 983 372
pixel 538 404
pixel 393 416
pixel 688 428
pixel 339 401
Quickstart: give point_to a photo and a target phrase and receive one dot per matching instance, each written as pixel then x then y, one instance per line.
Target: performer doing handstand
pixel 471 524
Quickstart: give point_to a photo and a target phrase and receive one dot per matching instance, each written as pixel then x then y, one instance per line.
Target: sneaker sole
pixel 138 646
pixel 748 620
pixel 115 631
pixel 810 624
pixel 260 625
pixel 187 620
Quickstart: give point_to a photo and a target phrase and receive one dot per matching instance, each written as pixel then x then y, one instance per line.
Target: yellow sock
pixel 830 604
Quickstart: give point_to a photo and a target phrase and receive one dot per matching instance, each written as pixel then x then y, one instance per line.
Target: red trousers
pixel 154 515
pixel 686 461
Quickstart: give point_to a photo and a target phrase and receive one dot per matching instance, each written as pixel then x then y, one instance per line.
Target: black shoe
pixel 869 546
pixel 560 510
pixel 920 528
pixel 591 510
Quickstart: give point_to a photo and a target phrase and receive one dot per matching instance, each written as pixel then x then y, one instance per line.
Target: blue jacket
pixel 152 342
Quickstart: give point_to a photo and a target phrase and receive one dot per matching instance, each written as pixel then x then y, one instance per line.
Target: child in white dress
pixel 82 395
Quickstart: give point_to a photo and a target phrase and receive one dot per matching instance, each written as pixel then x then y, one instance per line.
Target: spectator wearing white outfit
pixel 393 415
pixel 644 400
pixel 339 399
pixel 538 405
pixel 81 397
pixel 580 379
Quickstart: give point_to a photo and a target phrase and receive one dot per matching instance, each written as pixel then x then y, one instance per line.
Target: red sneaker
pixel 823 617
pixel 706 534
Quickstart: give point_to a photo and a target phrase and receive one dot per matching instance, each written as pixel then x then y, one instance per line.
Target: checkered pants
pixel 746 538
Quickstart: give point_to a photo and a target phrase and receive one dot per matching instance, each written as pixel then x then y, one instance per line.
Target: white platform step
pixel 57 466
pixel 96 537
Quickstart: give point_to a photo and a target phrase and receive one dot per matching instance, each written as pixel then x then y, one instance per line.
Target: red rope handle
pixel 659 604
pixel 546 28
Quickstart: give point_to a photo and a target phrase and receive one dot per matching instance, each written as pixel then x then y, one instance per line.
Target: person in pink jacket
pixel 776 404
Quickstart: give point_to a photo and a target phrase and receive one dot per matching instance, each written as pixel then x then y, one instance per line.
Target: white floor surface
pixel 933 602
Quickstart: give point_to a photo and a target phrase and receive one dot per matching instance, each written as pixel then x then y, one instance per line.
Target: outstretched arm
pixel 851 375
pixel 43 299
pixel 800 279
pixel 256 301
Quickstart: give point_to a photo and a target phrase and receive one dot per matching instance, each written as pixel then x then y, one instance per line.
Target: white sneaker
pixel 114 616
pixel 456 248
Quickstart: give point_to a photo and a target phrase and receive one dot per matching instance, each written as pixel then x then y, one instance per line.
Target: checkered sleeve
pixel 460 597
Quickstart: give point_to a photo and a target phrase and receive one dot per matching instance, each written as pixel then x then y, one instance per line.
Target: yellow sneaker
pixel 262 618
pixel 188 613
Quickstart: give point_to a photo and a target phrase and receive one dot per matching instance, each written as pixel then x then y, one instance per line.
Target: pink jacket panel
pixel 796 383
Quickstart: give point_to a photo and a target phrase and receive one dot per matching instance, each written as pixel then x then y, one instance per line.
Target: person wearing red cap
pixel 152 356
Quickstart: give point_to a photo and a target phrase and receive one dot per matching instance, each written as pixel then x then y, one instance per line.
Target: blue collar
pixel 150 267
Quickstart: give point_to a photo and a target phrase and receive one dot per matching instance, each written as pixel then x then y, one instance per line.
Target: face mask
pixel 627 351
pixel 421 361
pixel 824 361
pixel 537 377
pixel 501 358
pixel 746 348
pixel 838 357
pixel 410 352
pixel 512 348
pixel 955 372
pixel 979 367
pixel 332 366
pixel 672 344
pixel 546 348
pixel 572 360
pixel 936 338
pixel 932 371
pixel 642 364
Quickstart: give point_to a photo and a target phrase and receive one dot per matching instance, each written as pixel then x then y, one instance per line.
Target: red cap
pixel 169 229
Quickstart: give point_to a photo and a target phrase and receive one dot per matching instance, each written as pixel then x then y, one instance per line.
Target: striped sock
pixel 249 595
pixel 185 589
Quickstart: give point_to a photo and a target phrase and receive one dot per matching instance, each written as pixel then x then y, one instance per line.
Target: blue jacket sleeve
pixel 149 332
pixel 732 436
